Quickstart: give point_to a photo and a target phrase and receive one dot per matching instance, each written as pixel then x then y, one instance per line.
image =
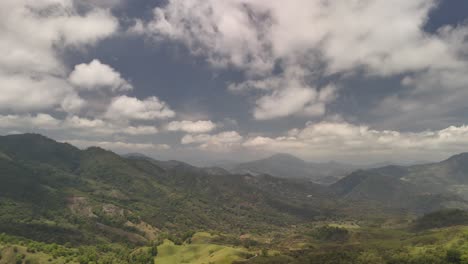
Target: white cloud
pixel 320 38
pixel 284 102
pixel 100 3
pixel 78 122
pixel 224 141
pixel 73 103
pixel 288 94
pixel 342 141
pixel 220 30
pixel 96 75
pixel 34 34
pixel 359 143
pixel 34 79
pixel 433 98
pixel 190 139
pixel 255 33
pixel 201 126
pixel 44 121
pixel 23 93
pixel 85 126
pixel 30 38
pixel 87 29
pixel 73 125
pixel 294 99
pixel 118 146
pixel 140 130
pixel 131 108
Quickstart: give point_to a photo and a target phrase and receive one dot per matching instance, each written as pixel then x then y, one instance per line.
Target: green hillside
pixel 59 204
pixel 65 193
pixel 420 188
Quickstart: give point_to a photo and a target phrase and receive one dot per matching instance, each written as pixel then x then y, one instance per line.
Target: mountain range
pixel 56 192
pixel 419 187
pixel 290 167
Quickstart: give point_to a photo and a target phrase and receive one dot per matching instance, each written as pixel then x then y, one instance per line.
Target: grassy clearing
pixel 195 253
pixel 19 254
pixel 202 238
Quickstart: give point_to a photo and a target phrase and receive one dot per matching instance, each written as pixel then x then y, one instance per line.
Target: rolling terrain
pixel 419 188
pixel 46 185
pixel 60 204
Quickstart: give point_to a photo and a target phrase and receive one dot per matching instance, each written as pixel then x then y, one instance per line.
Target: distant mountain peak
pixel 30 136
pixel 288 166
pixel 95 149
pixel 459 157
pixel 284 157
pixel 135 155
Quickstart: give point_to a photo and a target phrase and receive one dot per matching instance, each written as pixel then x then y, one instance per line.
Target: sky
pixel 208 81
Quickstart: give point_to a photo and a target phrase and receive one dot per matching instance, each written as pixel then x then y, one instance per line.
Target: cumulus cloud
pixel 360 143
pixel 295 99
pixel 73 103
pixel 288 94
pixel 33 30
pixel 118 146
pixel 88 29
pixel 24 93
pixel 72 125
pixel 131 108
pixel 44 121
pixel 100 3
pixel 96 75
pixel 35 82
pixel 100 127
pixel 224 141
pixel 201 126
pixel 34 33
pixel 140 130
pixel 431 98
pixel 288 54
pixel 31 37
pixel 226 35
pixel 259 37
pixel 255 33
pixel 343 141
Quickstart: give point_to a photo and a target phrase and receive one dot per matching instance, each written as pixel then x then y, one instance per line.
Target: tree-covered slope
pixel 420 188
pixel 103 208
pixel 61 192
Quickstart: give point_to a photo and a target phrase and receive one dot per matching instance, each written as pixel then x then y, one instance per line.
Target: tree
pixel 454 256
pixel 154 251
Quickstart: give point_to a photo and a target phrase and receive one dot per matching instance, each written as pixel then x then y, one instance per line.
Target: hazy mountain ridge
pixel 436 184
pixel 290 167
pixel 173 164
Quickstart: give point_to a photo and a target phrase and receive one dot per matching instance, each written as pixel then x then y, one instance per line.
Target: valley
pixel 61 204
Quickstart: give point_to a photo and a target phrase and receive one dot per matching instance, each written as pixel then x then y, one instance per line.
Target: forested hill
pixel 421 188
pixel 46 185
pixel 60 204
pixel 53 192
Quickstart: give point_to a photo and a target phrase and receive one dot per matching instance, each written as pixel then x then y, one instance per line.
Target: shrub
pixel 328 233
pixel 453 256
